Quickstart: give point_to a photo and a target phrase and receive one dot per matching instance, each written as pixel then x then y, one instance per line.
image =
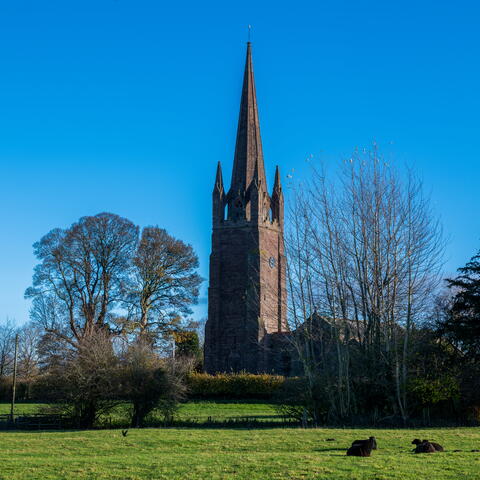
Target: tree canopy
pixel 462 322
pixel 99 274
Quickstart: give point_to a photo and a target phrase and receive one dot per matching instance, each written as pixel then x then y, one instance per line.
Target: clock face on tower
pixel 271 262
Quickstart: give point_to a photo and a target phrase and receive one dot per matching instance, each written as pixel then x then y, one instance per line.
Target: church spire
pixel 218 198
pixel 218 180
pixel 277 187
pixel 277 200
pixel 248 161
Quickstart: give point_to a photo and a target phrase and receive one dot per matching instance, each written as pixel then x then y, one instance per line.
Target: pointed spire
pixel 277 187
pixel 248 161
pixel 218 199
pixel 277 200
pixel 218 179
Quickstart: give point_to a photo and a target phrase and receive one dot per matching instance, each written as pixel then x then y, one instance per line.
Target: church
pixel 247 326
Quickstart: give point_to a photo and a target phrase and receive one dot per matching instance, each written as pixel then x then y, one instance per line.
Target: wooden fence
pixel 33 421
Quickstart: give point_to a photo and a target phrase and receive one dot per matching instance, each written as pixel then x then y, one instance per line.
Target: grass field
pixel 21 408
pixel 196 454
pixel 207 453
pixel 224 411
pixel 200 411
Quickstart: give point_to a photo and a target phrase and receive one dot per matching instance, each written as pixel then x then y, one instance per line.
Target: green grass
pixel 198 454
pixel 199 411
pixel 21 408
pixel 225 411
pixel 216 454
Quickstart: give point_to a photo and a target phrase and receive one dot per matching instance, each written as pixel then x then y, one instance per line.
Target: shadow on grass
pixel 330 450
pixel 213 425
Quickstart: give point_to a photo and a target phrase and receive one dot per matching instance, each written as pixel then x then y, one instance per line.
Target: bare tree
pixel 164 283
pixel 365 253
pixel 150 382
pixel 7 342
pixel 77 285
pixel 86 382
pixel 30 336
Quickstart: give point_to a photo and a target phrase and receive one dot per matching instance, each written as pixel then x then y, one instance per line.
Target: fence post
pixel 14 380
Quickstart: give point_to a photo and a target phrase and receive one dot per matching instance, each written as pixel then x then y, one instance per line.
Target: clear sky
pixel 127 105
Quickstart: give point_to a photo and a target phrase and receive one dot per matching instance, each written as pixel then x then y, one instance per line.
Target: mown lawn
pixel 200 411
pixel 22 408
pixel 203 453
pixel 234 454
pixel 220 411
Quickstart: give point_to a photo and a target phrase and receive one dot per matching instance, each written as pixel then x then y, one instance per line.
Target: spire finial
pixel 277 186
pixel 249 33
pixel 219 179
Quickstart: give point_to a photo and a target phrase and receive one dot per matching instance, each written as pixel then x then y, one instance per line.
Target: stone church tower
pixel 247 293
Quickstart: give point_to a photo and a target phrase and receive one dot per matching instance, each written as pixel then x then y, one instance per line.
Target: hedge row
pixel 200 385
pixel 234 385
pixel 22 391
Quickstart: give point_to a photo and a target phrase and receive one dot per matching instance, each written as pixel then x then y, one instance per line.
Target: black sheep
pixel 423 446
pixel 363 442
pixel 436 446
pixel 362 449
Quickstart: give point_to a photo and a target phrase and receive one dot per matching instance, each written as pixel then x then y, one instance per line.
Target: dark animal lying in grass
pixel 363 448
pixel 425 446
pixel 364 442
pixel 436 446
pixel 124 433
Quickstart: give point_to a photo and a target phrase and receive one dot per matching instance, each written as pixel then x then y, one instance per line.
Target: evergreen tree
pixel 462 323
pixel 187 344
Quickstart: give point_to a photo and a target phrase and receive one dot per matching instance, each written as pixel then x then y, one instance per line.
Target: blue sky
pixel 127 105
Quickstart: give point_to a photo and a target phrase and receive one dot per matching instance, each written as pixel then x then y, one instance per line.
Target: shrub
pixel 5 389
pixel 22 393
pixel 305 403
pixel 86 385
pixel 149 383
pixel 234 385
pixel 473 415
pixel 428 392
